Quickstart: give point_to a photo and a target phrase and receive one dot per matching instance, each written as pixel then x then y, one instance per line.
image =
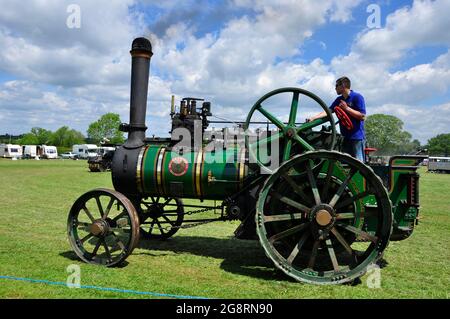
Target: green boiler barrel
pixel 195 174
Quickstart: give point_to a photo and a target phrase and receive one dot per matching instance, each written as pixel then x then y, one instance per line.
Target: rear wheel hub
pixel 323 215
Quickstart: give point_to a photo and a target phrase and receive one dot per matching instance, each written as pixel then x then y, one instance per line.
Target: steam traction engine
pixel 322 216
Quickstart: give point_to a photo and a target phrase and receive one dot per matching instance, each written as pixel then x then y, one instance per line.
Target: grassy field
pixel 35 197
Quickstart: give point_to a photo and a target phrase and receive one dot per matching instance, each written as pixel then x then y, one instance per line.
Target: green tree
pixel 385 132
pixel 75 137
pixel 106 127
pixel 66 137
pixel 43 136
pixel 415 145
pixel 439 145
pixel 28 139
pixel 59 137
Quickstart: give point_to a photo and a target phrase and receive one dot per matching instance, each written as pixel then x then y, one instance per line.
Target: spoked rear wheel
pixel 103 227
pixel 324 217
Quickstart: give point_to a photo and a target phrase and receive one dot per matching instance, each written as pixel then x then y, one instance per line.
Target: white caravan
pixel 85 150
pixel 10 150
pixel 46 151
pixel 29 151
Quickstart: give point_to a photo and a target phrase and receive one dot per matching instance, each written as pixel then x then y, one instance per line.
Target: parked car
pixel 85 151
pixel 69 155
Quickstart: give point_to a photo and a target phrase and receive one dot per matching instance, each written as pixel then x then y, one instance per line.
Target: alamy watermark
pixel 373 276
pixel 74 277
pixel 374 19
pixel 225 146
pixel 73 21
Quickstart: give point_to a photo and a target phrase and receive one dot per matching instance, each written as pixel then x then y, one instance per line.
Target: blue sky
pixel 231 52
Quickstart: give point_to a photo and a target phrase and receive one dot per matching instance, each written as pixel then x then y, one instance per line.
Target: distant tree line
pixel 106 128
pixel 439 145
pixel 8 138
pixel 385 132
pixel 62 137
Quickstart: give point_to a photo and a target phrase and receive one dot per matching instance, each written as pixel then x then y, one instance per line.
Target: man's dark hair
pixel 345 81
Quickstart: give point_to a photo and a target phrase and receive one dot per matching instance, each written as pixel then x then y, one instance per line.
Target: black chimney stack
pixel 141 52
pixel 125 165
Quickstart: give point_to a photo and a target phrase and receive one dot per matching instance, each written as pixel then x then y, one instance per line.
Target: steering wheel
pixel 344 119
pixel 289 134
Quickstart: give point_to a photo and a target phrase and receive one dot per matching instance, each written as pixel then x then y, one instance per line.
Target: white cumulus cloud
pixel 72 76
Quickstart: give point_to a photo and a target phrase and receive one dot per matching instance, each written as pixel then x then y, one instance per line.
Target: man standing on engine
pixel 350 108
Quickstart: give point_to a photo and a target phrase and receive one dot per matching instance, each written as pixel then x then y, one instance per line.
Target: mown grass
pixel 35 197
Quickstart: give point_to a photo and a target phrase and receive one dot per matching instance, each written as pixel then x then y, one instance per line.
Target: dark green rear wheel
pixel 324 217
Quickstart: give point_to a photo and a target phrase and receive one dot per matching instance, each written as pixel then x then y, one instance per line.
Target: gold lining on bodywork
pixel 198 173
pixel 159 170
pixel 242 168
pixel 140 170
pixel 141 54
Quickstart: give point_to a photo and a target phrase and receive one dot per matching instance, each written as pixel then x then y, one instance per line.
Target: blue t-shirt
pixel 356 102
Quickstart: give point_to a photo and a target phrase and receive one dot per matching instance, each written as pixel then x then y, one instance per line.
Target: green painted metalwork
pixel 294 106
pixel 288 133
pixel 404 193
pixel 148 181
pixel 205 175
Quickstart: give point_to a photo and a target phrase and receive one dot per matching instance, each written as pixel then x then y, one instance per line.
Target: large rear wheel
pixel 324 217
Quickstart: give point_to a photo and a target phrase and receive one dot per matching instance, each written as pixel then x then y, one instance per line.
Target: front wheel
pixel 103 227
